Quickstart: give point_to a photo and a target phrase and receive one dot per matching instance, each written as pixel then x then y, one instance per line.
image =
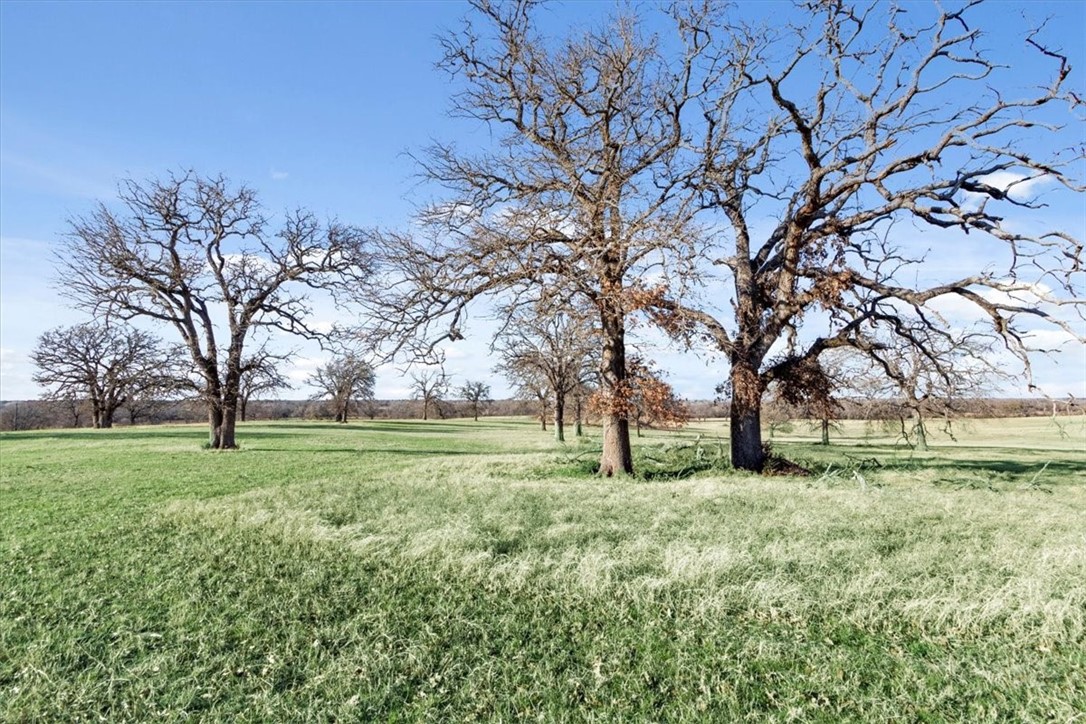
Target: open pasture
pixel 452 571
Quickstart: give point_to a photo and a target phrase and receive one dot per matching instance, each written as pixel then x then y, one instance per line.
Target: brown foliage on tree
pixel 644 398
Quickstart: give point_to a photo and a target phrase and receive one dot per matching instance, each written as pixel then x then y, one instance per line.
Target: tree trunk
pixel 746 418
pixel 921 433
pixel 425 410
pixel 617 455
pixel 227 439
pixel 617 458
pixel 214 421
pixel 825 431
pixel 577 427
pixel 559 418
pixel 244 405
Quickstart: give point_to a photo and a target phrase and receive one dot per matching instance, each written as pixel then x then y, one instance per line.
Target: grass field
pixel 454 571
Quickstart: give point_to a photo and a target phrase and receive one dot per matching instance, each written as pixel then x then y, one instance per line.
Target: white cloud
pixel 277 175
pixel 1020 186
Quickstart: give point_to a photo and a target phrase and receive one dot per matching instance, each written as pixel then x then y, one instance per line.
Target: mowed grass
pixel 454 571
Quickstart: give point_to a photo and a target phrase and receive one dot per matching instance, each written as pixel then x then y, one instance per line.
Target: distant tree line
pixel 71 413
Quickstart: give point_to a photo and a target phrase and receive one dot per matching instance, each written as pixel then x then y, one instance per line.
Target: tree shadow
pixel 1009 467
pixel 365 451
pixel 113 433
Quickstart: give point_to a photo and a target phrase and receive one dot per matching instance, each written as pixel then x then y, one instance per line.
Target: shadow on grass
pixel 114 433
pixel 418 426
pixel 1010 467
pixel 364 451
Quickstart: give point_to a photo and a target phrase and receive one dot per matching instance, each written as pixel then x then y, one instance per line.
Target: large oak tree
pixel 574 199
pixel 196 253
pixel 850 160
pixel 108 366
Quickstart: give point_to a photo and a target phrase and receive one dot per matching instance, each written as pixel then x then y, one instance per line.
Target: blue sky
pixel 312 104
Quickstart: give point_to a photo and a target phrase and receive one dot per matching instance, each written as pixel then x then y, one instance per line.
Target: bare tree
pixel 195 253
pixel 430 388
pixel 530 384
pixel 259 375
pixel 576 198
pixel 940 377
pixel 342 380
pixel 551 343
pixel 105 365
pixel 477 395
pixel 867 136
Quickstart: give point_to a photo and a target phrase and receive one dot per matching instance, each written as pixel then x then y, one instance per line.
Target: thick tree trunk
pixel 243 406
pixel 617 455
pixel 214 421
pixel 559 418
pixel 617 458
pixel 227 439
pixel 825 431
pixel 578 430
pixel 746 418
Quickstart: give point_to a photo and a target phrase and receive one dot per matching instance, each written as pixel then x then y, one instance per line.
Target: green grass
pixel 452 571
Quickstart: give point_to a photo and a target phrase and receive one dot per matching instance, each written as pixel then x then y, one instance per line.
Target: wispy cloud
pixel 278 175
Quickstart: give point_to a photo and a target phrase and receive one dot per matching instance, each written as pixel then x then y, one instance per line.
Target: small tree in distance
pixel 477 395
pixel 259 376
pixel 343 380
pixel 430 388
pixel 550 345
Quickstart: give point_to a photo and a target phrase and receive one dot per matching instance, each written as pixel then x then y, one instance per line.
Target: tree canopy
pixel 196 253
